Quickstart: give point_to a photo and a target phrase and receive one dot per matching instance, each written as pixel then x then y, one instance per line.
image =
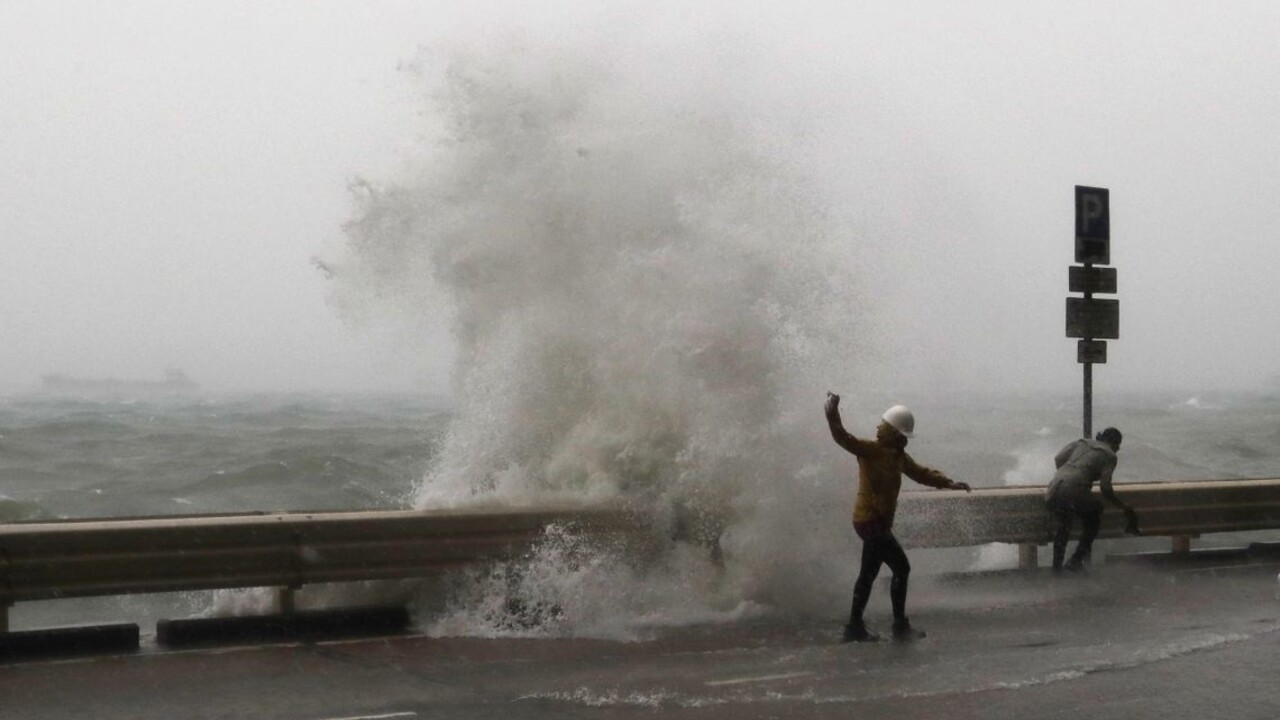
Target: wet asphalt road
pixel 1122 643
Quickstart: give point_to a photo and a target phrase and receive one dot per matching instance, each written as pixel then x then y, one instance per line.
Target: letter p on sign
pixel 1093 225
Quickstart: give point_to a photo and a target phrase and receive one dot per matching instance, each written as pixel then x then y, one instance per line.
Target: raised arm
pixel 838 433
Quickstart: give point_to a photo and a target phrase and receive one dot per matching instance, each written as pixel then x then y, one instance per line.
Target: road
pixel 1179 642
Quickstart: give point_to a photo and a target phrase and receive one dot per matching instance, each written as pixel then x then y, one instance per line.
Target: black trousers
pixel 1064 510
pixel 880 547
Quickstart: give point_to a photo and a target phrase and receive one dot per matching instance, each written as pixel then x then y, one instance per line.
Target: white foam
pixel 996 556
pixel 569 587
pixel 649 304
pixel 758 679
pixel 1141 657
pixel 1033 464
pixel 590 698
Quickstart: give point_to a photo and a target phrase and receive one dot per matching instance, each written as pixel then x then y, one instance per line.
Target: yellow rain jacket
pixel 880 471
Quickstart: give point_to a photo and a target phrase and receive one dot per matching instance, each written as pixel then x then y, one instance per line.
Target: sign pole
pixel 1093 321
pixel 1088 372
pixel 1088 400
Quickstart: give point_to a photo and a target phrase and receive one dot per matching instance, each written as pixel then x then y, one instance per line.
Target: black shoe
pixel 902 631
pixel 1074 565
pixel 858 633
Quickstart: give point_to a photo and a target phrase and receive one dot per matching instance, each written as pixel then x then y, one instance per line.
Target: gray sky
pixel 170 168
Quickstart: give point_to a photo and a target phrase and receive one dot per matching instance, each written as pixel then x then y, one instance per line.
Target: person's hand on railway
pixel 1131 521
pixel 959 486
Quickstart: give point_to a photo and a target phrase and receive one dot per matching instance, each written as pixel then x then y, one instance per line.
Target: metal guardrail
pixel 1180 510
pixel 77 558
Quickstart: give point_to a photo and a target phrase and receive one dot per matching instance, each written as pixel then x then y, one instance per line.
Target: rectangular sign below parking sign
pixel 1093 319
pixel 1091 279
pixel 1091 351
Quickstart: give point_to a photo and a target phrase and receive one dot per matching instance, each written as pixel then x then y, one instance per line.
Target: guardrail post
pixel 1028 556
pixel 1181 543
pixel 286 596
pixel 286 600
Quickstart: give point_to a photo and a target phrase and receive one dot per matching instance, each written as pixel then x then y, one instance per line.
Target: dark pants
pixel 880 547
pixel 1064 510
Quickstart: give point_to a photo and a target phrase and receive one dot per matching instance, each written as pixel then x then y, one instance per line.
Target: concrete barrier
pixel 69 641
pixel 291 626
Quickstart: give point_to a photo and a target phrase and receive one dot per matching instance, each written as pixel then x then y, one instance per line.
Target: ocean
pixel 74 458
pixel 80 458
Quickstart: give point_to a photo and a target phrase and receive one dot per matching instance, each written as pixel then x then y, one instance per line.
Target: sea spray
pixel 571 586
pixel 1033 466
pixel 649 304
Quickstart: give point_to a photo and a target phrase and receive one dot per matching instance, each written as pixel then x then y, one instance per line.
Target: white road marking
pixel 761 678
pixel 1215 568
pixel 408 714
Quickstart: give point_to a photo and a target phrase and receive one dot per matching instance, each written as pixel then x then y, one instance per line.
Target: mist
pixel 173 174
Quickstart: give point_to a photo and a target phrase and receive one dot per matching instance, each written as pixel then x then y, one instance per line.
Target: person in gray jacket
pixel 1080 464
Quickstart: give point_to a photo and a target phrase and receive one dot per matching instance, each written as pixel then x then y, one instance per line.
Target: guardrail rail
pixel 80 558
pixel 1017 515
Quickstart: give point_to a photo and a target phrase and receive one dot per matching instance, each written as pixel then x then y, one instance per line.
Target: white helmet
pixel 901 419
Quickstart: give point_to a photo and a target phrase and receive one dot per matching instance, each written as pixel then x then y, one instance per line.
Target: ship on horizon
pixel 175 382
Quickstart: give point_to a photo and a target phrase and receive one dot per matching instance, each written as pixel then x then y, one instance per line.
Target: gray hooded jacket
pixel 1080 464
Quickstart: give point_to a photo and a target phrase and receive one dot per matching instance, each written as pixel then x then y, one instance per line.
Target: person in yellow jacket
pixel 881 464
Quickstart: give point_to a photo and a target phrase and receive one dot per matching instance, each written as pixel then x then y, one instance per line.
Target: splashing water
pixel 648 305
pixel 1033 466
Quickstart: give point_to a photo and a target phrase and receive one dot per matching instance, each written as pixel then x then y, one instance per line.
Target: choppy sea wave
pixel 68 458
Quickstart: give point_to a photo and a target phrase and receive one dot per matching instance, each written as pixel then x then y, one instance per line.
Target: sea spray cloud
pixel 648 303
